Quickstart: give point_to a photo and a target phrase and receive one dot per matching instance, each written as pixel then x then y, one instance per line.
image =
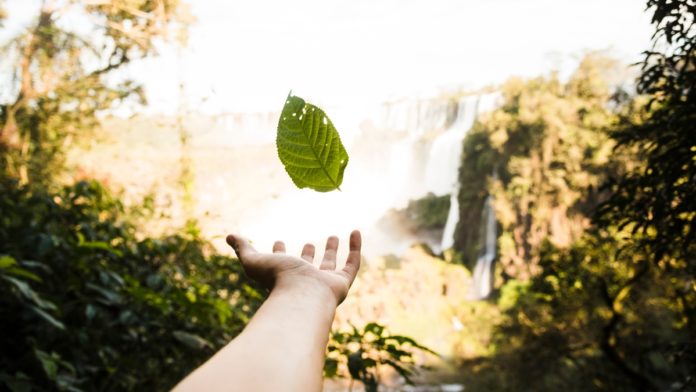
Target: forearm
pixel 282 348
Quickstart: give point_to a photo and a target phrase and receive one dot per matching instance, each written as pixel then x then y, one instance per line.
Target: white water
pixel 446 150
pixel 447 240
pixel 445 174
pixel 483 271
pixel 415 116
pixel 443 164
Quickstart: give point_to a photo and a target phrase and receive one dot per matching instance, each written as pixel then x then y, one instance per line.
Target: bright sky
pixel 345 53
pixel 335 52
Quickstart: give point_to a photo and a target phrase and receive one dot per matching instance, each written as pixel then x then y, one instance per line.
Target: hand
pixel 281 270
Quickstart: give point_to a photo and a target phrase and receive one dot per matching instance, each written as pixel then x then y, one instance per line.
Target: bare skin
pixel 282 348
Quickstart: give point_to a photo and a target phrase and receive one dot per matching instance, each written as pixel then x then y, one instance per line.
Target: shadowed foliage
pixel 89 305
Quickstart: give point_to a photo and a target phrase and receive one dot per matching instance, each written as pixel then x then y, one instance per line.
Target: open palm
pixel 280 268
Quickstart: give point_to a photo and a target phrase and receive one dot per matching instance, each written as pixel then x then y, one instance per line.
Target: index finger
pixel 353 261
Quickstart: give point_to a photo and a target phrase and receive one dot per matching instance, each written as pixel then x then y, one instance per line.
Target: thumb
pixel 242 247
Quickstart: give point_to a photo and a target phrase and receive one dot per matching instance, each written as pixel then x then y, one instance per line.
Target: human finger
pixel 242 247
pixel 329 262
pixel 308 252
pixel 353 262
pixel 279 247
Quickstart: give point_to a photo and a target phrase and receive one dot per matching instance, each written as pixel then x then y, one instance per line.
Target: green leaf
pixel 108 296
pixel 191 340
pixel 19 382
pixel 309 146
pixel 404 372
pixel 29 293
pixel 47 317
pixel 97 245
pixel 7 261
pixel 48 362
pixel 90 311
pixel 330 368
pixel 22 273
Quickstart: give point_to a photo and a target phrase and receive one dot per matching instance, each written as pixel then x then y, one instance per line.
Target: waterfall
pixel 445 152
pixel 468 110
pixel 483 271
pixel 452 219
pixel 405 125
pixel 413 147
pixel 414 116
pixel 443 164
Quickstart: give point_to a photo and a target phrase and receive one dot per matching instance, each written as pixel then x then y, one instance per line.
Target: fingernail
pixel 232 241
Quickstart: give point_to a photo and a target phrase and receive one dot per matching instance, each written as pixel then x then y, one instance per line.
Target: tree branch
pixel 641 382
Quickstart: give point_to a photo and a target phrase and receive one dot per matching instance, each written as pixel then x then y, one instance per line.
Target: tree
pixel 656 198
pixel 542 156
pixel 62 77
pixel 597 317
pixel 616 309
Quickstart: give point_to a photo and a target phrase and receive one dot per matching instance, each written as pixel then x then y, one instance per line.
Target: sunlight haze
pixel 247 55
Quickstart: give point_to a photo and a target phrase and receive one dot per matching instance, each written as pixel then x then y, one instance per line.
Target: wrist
pixel 306 291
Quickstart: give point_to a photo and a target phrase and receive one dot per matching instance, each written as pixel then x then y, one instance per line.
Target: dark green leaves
pixel 364 351
pixel 191 340
pixel 94 301
pixel 309 146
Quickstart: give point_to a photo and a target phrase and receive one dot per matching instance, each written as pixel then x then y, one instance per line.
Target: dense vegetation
pixel 86 305
pixel 594 197
pixel 360 354
pixel 593 187
pixel 542 156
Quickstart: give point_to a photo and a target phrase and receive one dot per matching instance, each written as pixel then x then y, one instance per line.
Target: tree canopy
pixel 611 307
pixel 63 76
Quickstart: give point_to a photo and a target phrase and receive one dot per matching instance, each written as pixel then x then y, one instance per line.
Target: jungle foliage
pixel 593 191
pixel 89 305
pixel 363 354
pixel 611 304
pixel 61 77
pixel 542 156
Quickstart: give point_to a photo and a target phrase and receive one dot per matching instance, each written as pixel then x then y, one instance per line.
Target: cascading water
pixel 483 270
pixel 445 157
pixel 407 159
pixel 442 174
pixel 447 240
pixel 443 164
pixel 446 150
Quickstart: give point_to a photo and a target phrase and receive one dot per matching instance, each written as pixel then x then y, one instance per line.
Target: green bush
pixel 599 316
pixel 360 354
pixel 86 304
